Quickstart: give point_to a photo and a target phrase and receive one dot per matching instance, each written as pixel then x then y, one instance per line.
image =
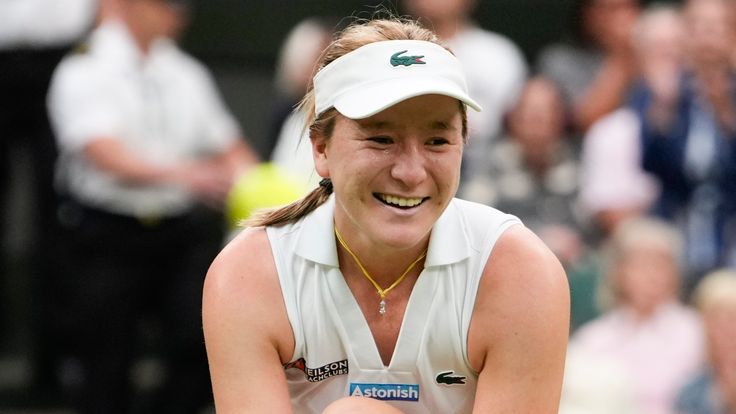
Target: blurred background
pixel 240 40
pixel 610 129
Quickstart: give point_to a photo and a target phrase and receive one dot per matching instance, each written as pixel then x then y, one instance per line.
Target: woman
pixel 653 340
pixel 713 389
pixel 379 283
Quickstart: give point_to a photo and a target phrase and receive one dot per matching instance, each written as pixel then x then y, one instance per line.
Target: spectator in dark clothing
pixel 689 140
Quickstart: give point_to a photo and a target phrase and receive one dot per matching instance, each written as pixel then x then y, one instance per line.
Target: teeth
pixel 401 202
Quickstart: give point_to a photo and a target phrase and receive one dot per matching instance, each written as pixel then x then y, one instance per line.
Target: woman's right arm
pixel 246 328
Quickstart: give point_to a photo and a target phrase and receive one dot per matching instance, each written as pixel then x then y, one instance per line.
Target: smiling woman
pixel 427 303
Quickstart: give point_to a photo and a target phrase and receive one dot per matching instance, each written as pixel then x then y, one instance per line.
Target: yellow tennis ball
pixel 263 186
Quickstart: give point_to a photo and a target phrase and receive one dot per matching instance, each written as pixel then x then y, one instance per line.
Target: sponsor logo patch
pixel 320 373
pixel 385 392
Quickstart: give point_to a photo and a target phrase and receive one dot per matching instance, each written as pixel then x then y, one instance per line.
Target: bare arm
pixel 518 334
pixel 607 92
pixel 246 329
pixel 208 179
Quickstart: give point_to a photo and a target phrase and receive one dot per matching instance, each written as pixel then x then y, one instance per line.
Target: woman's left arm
pixel 520 326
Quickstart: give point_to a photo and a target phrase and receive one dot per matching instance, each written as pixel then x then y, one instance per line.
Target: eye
pixel 437 141
pixel 383 140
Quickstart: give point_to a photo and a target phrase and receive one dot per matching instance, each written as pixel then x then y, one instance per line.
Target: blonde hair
pixel 635 234
pixel 356 35
pixel 718 288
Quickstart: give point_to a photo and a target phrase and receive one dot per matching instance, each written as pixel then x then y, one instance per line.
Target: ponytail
pixel 293 211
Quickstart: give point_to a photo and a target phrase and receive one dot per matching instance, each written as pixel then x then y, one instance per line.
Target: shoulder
pixel 523 299
pixel 79 79
pixel 252 239
pixel 519 328
pixel 76 67
pixel 242 291
pixel 243 263
pixel 520 260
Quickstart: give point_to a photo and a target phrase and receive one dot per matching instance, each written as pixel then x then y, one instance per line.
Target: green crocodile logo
pixel 397 60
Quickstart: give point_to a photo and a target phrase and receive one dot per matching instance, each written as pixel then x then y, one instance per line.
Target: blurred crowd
pixel 616 144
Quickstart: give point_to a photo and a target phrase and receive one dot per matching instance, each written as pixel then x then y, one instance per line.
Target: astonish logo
pixel 386 392
pixel 397 60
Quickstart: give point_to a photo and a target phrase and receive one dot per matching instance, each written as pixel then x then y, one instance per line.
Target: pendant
pixel 382 307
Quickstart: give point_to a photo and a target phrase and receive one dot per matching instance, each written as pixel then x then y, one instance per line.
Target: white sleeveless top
pixel 335 354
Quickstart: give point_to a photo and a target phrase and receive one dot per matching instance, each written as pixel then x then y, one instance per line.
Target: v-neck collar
pixel 405 353
pixel 316 242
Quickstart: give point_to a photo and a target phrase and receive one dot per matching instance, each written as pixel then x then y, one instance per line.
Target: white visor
pixel 378 75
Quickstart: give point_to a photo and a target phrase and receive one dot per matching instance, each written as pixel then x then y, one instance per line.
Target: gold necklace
pixel 381 292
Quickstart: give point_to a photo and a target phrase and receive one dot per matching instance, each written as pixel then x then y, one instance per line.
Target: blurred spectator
pixel 495 69
pixel 532 172
pixel 596 384
pixel 34 35
pixel 292 150
pixel 614 186
pixel 148 153
pixel 713 391
pixel 594 68
pixel 689 139
pixel 655 340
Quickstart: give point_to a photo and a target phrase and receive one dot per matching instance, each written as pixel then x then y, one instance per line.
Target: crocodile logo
pixel 448 378
pixel 397 60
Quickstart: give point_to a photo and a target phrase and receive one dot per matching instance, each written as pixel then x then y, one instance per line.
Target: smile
pixel 400 202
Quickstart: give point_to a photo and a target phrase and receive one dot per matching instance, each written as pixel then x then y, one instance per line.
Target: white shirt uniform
pixel 163 106
pixel 335 354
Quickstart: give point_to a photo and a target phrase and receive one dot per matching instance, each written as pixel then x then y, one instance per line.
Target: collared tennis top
pixel 335 354
pixel 164 106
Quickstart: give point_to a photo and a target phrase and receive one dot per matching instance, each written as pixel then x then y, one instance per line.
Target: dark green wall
pixel 239 40
pixel 250 32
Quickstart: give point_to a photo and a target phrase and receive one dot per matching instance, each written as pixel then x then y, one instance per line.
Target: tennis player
pixel 380 291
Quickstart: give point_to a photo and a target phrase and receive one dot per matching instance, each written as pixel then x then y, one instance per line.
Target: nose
pixel 409 166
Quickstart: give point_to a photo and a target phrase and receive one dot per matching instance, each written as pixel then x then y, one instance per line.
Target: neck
pixel 383 264
pixel 143 42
